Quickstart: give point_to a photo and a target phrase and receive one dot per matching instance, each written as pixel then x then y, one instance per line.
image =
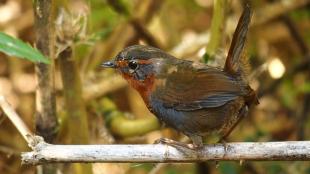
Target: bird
pixel 191 97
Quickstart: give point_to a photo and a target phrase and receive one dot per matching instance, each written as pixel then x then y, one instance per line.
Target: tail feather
pixel 236 63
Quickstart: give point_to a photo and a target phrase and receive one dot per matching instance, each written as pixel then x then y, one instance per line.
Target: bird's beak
pixel 109 64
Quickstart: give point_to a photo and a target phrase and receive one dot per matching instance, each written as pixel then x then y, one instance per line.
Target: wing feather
pixel 188 88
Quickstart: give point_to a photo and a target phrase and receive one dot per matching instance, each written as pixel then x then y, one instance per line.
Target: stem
pixel 75 108
pixel 73 98
pixel 45 120
pixel 217 27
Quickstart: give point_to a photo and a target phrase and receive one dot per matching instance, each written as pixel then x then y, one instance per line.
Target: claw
pixel 164 141
pixel 177 144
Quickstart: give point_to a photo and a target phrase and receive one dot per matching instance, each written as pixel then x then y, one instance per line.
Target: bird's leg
pixel 197 143
pixel 224 142
pixel 170 142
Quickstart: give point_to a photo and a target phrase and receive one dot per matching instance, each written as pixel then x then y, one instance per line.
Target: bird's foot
pixel 224 142
pixel 177 144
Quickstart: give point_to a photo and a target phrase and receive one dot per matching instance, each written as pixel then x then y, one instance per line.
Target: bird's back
pixel 195 98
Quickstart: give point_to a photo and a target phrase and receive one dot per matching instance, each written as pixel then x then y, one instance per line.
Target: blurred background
pixel 96 106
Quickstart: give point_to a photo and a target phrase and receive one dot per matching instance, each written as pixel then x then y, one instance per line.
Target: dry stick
pixel 15 119
pixel 30 138
pixel 270 151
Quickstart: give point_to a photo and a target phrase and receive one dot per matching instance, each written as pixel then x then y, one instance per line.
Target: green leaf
pixel 15 47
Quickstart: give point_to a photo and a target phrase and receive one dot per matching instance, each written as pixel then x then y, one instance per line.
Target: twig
pixel 15 119
pixel 270 151
pixel 30 138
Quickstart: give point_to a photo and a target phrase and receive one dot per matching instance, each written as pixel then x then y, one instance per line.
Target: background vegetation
pixel 96 106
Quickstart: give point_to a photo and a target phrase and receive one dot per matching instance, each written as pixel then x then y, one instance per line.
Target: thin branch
pixel 30 138
pixel 270 151
pixel 15 119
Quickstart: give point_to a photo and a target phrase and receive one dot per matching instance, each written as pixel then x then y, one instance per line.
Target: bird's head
pixel 138 62
pixel 139 65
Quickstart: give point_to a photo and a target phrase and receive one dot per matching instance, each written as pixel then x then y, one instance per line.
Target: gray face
pixel 138 62
pixel 137 70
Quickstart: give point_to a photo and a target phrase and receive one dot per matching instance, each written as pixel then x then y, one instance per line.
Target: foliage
pixel 15 47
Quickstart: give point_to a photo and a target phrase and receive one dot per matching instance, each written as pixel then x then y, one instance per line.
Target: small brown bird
pixel 193 98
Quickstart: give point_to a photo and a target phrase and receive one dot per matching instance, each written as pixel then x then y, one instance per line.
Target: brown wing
pixel 232 64
pixel 190 88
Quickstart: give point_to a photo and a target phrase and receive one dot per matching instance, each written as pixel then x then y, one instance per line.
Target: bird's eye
pixel 133 64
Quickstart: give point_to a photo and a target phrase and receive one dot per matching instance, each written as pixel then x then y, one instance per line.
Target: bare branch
pixel 20 125
pixel 286 151
pixel 15 119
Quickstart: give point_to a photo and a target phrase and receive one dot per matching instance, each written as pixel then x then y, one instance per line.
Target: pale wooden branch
pixel 268 151
pixel 20 125
pixel 15 119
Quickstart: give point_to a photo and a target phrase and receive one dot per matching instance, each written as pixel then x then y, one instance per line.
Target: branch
pixel 19 124
pixel 270 151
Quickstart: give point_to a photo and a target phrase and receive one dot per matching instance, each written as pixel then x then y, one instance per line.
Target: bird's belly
pixel 198 122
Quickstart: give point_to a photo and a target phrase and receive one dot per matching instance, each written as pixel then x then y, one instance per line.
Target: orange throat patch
pixel 144 87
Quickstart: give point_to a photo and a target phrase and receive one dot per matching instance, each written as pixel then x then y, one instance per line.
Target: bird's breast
pixel 144 87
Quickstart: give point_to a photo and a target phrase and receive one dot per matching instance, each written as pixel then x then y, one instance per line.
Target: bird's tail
pixel 236 63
